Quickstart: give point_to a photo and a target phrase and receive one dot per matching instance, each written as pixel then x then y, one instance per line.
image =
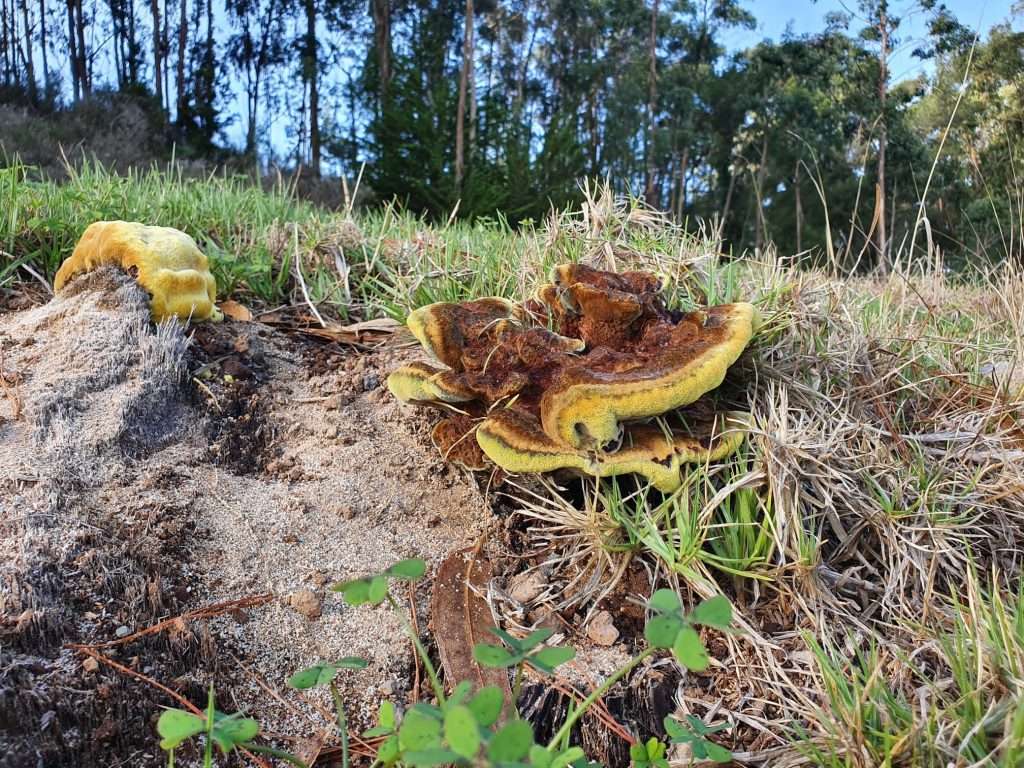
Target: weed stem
pixel 431 672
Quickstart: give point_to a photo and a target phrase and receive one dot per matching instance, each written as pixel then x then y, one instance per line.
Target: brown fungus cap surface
pixel 564 378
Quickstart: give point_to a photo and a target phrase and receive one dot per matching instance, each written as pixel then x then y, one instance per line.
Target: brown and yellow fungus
pixel 165 261
pixel 562 381
pixel 515 442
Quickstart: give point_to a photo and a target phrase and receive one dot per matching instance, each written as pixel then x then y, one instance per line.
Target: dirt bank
pixel 146 472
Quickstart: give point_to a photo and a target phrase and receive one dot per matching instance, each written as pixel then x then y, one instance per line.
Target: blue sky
pixel 774 16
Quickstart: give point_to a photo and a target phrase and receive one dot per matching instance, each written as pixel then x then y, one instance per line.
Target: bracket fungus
pixel 575 377
pixel 165 261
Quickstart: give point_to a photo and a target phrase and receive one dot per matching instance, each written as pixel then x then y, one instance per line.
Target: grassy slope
pixel 877 514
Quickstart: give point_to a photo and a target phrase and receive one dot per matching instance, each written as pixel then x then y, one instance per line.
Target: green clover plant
pixel 228 732
pixel 476 728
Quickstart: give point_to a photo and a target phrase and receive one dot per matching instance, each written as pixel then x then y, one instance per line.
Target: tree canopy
pixel 501 107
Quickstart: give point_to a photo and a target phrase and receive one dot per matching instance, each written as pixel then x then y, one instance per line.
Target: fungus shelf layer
pixel 573 378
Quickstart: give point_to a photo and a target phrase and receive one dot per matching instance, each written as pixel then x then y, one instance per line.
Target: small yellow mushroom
pixel 165 261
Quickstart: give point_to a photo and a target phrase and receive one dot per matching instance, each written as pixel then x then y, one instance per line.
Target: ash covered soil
pixel 151 471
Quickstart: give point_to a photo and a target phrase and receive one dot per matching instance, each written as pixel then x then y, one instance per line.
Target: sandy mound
pixel 137 482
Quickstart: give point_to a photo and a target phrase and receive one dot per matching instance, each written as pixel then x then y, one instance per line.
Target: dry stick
pixel 208 612
pixel 302 280
pixel 416 628
pixel 88 651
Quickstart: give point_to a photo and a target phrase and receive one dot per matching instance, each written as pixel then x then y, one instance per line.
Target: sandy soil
pixel 131 493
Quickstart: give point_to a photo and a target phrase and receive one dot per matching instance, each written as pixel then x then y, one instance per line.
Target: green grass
pixel 256 240
pixel 966 707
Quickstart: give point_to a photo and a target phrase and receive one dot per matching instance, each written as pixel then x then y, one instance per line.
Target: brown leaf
pixel 461 618
pixel 363 334
pixel 236 311
pixel 366 332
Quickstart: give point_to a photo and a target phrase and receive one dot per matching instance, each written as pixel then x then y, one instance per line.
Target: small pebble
pixel 306 603
pixel 122 631
pixel 525 587
pixel 601 629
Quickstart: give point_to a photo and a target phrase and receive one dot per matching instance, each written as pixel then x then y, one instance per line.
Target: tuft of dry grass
pixel 885 462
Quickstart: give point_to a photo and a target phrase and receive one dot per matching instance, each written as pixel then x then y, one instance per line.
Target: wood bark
pixel 650 189
pixel 158 79
pixel 460 110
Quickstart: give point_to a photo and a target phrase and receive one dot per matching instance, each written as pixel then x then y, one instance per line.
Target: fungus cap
pixel 586 403
pixel 409 383
pixel 447 329
pixel 167 263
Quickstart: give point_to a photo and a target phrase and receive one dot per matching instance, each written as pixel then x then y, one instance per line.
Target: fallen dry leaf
pixel 461 618
pixel 367 333
pixel 235 311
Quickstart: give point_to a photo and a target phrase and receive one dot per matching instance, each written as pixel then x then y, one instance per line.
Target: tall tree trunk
pixel 460 110
pixel 165 47
pixel 42 44
pixel 524 64
pixel 7 45
pixel 30 69
pixel 311 67
pixel 472 96
pixel 4 45
pixel 83 58
pixel 73 52
pixel 650 190
pixel 182 45
pixel 726 207
pixel 883 87
pixel 116 24
pixel 158 77
pixel 761 231
pixel 382 41
pixel 133 46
